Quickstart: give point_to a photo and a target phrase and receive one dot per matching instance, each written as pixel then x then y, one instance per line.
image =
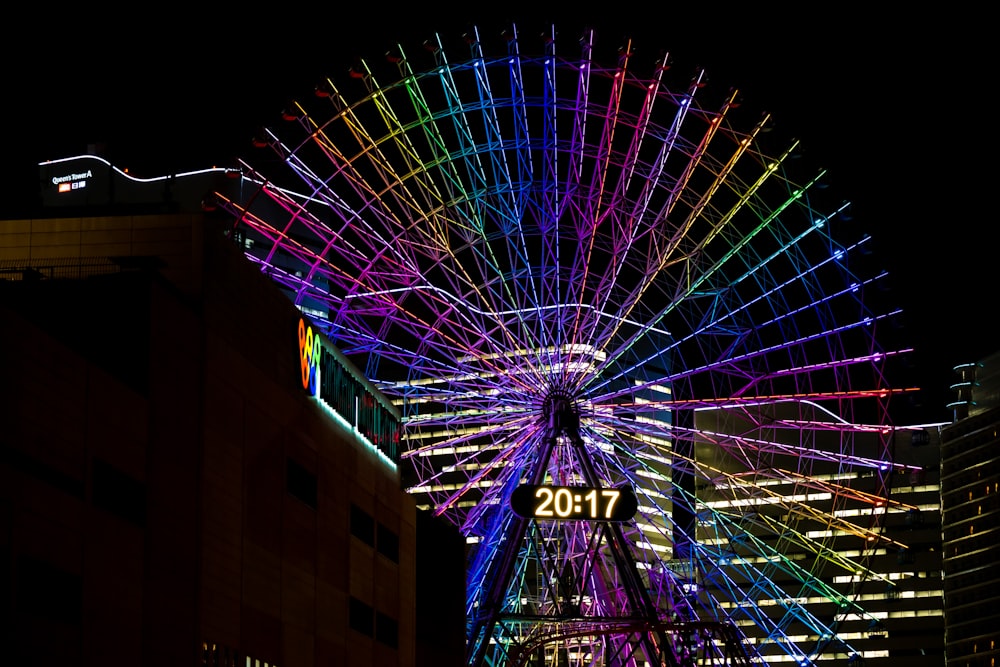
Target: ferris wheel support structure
pixel 652 632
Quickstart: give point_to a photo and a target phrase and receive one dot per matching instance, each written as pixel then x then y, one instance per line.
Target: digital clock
pixel 573 503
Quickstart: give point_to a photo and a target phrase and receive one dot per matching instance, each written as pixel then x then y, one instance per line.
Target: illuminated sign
pixel 331 380
pixel 90 180
pixel 573 503
pixel 71 182
pixel 310 353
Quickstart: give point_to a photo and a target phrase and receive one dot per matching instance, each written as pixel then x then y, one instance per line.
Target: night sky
pixel 898 107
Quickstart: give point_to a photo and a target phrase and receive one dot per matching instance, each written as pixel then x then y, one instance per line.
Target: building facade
pixel 170 492
pixel 880 602
pixel 970 500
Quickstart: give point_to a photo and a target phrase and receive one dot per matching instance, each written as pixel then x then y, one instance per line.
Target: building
pixel 880 600
pixel 970 501
pixel 170 492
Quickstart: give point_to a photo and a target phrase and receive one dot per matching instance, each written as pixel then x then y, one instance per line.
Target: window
pixel 301 483
pixel 386 630
pixel 361 617
pixel 118 493
pixel 362 525
pixel 41 471
pixel 387 543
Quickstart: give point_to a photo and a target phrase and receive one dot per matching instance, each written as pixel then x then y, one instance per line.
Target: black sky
pixel 896 105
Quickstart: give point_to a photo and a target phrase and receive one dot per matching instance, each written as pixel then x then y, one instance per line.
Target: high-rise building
pixel 887 612
pixel 970 501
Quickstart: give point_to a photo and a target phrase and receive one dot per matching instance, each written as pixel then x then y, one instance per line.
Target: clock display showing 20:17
pixel 573 503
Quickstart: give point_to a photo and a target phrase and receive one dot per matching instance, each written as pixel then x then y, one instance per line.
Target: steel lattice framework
pixel 570 273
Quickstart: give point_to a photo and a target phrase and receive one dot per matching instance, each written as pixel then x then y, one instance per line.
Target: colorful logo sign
pixel 310 354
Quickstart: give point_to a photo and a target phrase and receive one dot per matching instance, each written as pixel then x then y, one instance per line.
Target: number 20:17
pixel 561 502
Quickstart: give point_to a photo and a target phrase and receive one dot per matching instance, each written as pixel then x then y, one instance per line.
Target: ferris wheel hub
pixel 561 412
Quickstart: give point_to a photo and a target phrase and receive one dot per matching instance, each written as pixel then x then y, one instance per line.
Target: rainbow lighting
pixel 570 267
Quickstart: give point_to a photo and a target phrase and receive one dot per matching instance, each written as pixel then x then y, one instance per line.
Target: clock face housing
pixel 573 503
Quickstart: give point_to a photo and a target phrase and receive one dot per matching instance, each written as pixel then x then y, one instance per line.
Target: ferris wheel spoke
pixel 720 316
pixel 735 364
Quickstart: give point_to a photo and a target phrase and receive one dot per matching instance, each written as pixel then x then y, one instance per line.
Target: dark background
pixel 897 104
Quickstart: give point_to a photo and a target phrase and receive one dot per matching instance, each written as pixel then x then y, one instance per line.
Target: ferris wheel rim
pixel 432 297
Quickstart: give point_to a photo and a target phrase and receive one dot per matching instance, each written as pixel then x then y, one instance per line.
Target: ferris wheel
pixel 630 345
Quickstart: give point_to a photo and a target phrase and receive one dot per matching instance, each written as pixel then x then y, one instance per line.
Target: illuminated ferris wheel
pixel 590 293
